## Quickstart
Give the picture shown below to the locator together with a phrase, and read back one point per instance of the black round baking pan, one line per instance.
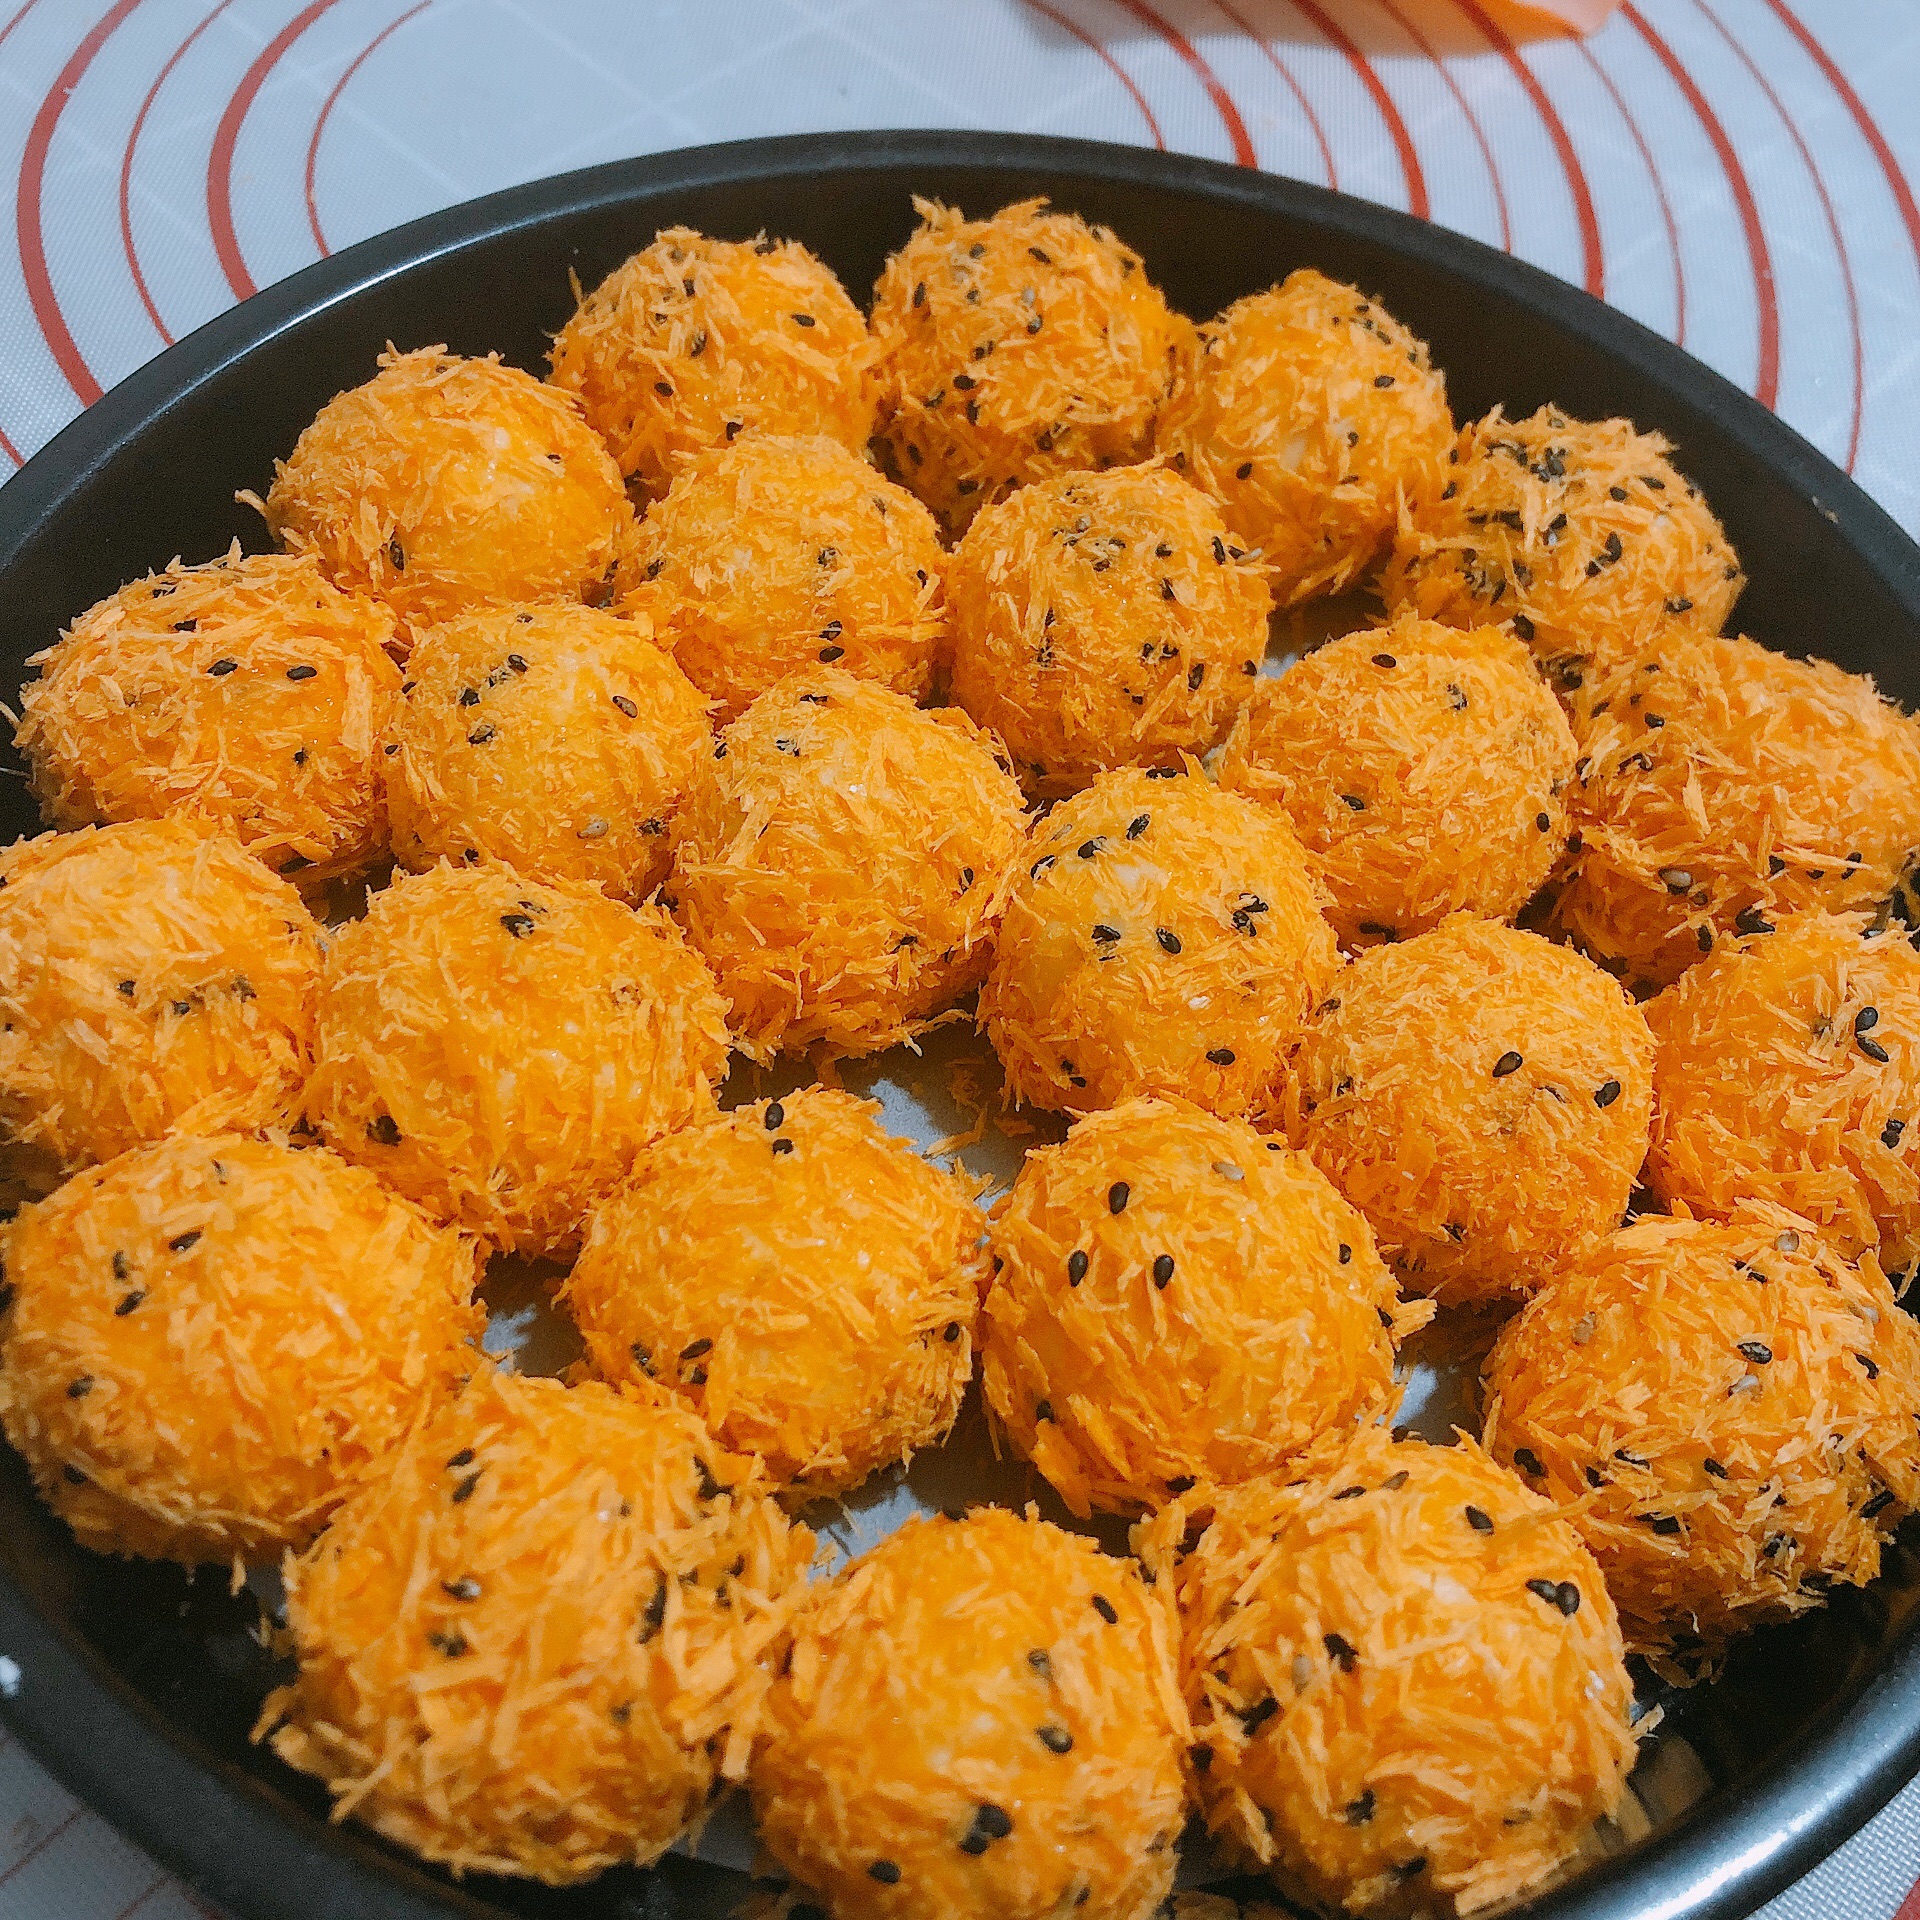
(138, 1686)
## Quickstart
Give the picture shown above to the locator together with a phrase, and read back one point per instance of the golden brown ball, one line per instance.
(1104, 620)
(1315, 419)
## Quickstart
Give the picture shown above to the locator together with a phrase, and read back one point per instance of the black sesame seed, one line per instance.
(465, 1588)
(1076, 1267)
(1221, 1056)
(1871, 1048)
(1043, 1410)
(1543, 822)
(1479, 1521)
(182, 1241)
(517, 924)
(122, 1266)
(79, 1389)
(1253, 1718)
(384, 1130)
(655, 1612)
(1170, 942)
(464, 1458)
(1714, 1468)
(1106, 935)
(782, 1146)
(1527, 1461)
(1201, 1755)
(1244, 470)
(480, 736)
(1676, 879)
(1509, 1062)
(1341, 1651)
(1891, 1132)
(1871, 1369)
(950, 1332)
(1757, 1351)
(453, 1644)
(626, 706)
(1750, 921)
(1054, 1739)
(694, 1349)
(74, 1477)
(1664, 1524)
(1162, 1269)
(803, 319)
(995, 1822)
(1117, 1197)
(885, 1871)
(1104, 1608)
(1088, 848)
(1606, 1093)
(1360, 1811)
(302, 673)
(469, 697)
(1349, 1493)
(127, 1302)
(1385, 660)
(464, 1491)
(1355, 802)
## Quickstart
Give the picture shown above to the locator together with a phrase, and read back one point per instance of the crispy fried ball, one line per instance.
(1580, 533)
(537, 1647)
(1482, 1097)
(445, 484)
(805, 1282)
(1721, 785)
(775, 554)
(555, 738)
(1102, 620)
(499, 1049)
(154, 978)
(210, 1341)
(1406, 1679)
(1315, 419)
(691, 342)
(1787, 1068)
(1163, 937)
(1013, 348)
(842, 861)
(1423, 768)
(1177, 1299)
(248, 690)
(981, 1722)
(1727, 1412)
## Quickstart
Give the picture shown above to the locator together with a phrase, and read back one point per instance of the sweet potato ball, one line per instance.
(555, 738)
(692, 342)
(154, 978)
(1481, 1096)
(538, 1646)
(780, 553)
(499, 1049)
(1787, 1068)
(445, 484)
(842, 862)
(210, 1341)
(248, 690)
(803, 1281)
(1315, 419)
(980, 1722)
(1177, 1299)
(1406, 1679)
(1726, 1410)
(1013, 348)
(1580, 533)
(1424, 769)
(1163, 937)
(1721, 785)
(1103, 620)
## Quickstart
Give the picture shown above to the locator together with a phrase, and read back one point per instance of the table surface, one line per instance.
(1735, 173)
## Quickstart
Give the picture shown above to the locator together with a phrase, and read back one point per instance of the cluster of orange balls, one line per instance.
(771, 679)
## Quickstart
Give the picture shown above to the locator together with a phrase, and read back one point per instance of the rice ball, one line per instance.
(555, 738)
(1162, 937)
(154, 978)
(842, 861)
(445, 484)
(692, 342)
(540, 1646)
(1013, 348)
(1581, 534)
(1424, 769)
(209, 1342)
(803, 1281)
(1103, 620)
(980, 1721)
(498, 1049)
(1726, 1411)
(776, 554)
(1315, 419)
(248, 690)
(1482, 1097)
(1406, 1679)
(1721, 785)
(1177, 1299)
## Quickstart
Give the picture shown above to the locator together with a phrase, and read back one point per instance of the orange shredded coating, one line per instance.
(555, 738)
(210, 1341)
(1482, 1097)
(1727, 1413)
(1175, 1299)
(981, 1722)
(1163, 937)
(1408, 1691)
(774, 554)
(499, 1048)
(1423, 768)
(1787, 1068)
(763, 1902)
(1721, 785)
(802, 1280)
(1580, 533)
(1013, 348)
(444, 484)
(1315, 419)
(1102, 620)
(154, 978)
(540, 1643)
(691, 342)
(842, 862)
(249, 690)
